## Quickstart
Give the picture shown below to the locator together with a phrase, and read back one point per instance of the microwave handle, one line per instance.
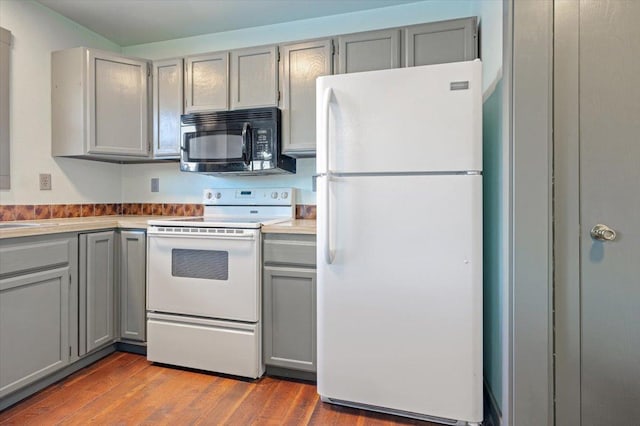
(246, 144)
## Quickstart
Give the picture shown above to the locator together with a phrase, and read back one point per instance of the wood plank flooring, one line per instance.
(126, 389)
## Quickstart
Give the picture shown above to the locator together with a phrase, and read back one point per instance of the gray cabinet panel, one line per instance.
(132, 285)
(21, 257)
(302, 63)
(254, 77)
(99, 105)
(118, 101)
(299, 250)
(207, 82)
(5, 57)
(441, 42)
(34, 327)
(168, 91)
(369, 51)
(290, 317)
(97, 287)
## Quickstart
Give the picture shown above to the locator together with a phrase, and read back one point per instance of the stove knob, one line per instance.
(208, 195)
(274, 195)
(284, 195)
(218, 195)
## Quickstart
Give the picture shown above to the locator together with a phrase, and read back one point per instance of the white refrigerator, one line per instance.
(399, 193)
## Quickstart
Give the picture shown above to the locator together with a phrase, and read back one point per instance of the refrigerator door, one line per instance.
(425, 118)
(400, 293)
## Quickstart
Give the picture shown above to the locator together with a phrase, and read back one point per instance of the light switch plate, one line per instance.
(45, 181)
(155, 184)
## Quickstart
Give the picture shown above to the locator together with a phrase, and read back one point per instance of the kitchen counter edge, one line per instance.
(296, 226)
(76, 224)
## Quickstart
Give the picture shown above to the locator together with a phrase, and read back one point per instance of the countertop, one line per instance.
(296, 226)
(79, 224)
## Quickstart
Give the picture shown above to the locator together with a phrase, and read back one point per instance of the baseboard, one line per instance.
(492, 414)
(134, 348)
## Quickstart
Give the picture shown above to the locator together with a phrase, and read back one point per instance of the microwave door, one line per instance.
(213, 151)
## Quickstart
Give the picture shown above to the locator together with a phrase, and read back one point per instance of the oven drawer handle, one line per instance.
(152, 234)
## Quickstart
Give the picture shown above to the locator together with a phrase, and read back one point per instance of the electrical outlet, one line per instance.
(45, 181)
(155, 184)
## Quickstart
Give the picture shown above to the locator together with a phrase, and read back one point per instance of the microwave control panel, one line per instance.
(263, 143)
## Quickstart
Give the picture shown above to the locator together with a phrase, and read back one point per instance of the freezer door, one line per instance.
(400, 293)
(426, 118)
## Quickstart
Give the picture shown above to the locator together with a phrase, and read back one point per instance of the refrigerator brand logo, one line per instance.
(459, 85)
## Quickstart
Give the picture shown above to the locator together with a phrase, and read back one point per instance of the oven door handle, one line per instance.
(246, 144)
(152, 234)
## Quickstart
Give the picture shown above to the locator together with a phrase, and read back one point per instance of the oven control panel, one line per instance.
(249, 196)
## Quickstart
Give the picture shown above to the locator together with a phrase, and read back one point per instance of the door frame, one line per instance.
(528, 380)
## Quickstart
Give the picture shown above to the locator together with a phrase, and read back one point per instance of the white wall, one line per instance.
(188, 187)
(36, 31)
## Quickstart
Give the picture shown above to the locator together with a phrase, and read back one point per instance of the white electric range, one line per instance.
(204, 281)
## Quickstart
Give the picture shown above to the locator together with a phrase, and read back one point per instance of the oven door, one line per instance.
(213, 276)
(215, 149)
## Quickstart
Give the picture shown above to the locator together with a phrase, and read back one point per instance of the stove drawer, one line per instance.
(211, 345)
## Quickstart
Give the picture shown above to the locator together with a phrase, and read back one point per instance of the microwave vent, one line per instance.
(219, 117)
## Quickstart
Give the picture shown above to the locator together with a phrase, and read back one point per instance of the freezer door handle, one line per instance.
(329, 253)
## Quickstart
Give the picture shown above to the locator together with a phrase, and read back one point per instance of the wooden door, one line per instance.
(207, 82)
(168, 90)
(597, 294)
(440, 42)
(133, 262)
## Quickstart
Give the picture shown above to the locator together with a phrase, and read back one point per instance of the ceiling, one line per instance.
(130, 22)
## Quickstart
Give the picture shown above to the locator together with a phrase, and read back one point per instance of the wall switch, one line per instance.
(155, 184)
(45, 181)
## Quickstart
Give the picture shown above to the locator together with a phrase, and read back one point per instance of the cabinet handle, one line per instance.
(329, 253)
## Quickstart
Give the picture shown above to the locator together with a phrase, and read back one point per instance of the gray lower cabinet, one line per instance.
(97, 290)
(38, 320)
(441, 42)
(289, 302)
(133, 260)
(369, 51)
(302, 63)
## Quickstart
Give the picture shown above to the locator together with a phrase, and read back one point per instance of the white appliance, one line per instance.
(399, 215)
(204, 282)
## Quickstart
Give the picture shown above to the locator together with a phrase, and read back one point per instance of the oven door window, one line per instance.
(204, 264)
(213, 146)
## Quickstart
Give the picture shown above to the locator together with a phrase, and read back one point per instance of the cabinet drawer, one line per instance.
(299, 250)
(22, 257)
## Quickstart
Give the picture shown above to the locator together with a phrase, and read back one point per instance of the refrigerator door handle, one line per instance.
(329, 253)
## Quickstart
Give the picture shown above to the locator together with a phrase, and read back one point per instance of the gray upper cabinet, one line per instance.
(254, 77)
(207, 82)
(369, 51)
(440, 42)
(168, 90)
(302, 63)
(37, 320)
(97, 290)
(133, 263)
(5, 56)
(100, 105)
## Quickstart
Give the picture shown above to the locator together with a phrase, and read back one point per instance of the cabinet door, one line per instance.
(96, 290)
(290, 318)
(301, 64)
(207, 82)
(369, 51)
(118, 105)
(168, 97)
(440, 42)
(34, 331)
(254, 77)
(132, 285)
(5, 58)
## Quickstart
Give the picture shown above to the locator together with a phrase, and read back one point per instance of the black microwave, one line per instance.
(244, 142)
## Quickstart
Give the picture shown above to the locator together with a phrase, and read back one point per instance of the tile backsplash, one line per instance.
(59, 211)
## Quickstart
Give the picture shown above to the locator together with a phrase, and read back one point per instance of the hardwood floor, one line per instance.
(126, 389)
